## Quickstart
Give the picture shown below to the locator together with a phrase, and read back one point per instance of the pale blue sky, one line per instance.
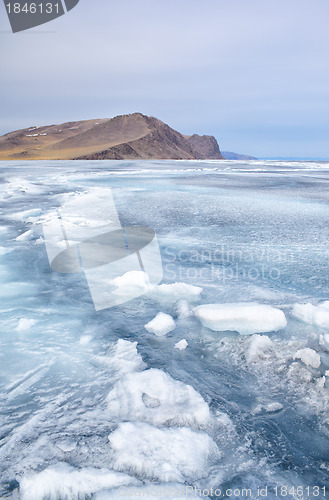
(254, 73)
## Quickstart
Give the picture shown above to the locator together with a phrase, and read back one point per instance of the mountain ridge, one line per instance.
(132, 136)
(230, 155)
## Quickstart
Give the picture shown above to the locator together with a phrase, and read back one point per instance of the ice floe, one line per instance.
(243, 317)
(165, 293)
(181, 345)
(27, 236)
(26, 215)
(162, 454)
(309, 357)
(161, 324)
(62, 481)
(155, 397)
(314, 315)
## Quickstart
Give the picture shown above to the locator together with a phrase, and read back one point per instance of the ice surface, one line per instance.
(20, 187)
(314, 315)
(155, 397)
(181, 345)
(309, 357)
(162, 454)
(275, 371)
(265, 227)
(161, 324)
(245, 318)
(64, 482)
(30, 215)
(85, 339)
(176, 291)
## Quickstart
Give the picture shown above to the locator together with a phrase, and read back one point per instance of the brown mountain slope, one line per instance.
(134, 136)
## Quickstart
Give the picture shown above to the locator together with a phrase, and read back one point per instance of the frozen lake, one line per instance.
(95, 405)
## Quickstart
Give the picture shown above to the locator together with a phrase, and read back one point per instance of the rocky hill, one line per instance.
(133, 136)
(229, 155)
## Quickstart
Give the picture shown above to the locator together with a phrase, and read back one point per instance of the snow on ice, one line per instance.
(155, 397)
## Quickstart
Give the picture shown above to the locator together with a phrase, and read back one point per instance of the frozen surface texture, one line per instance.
(314, 315)
(231, 391)
(157, 491)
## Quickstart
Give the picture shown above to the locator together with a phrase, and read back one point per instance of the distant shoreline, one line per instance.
(283, 158)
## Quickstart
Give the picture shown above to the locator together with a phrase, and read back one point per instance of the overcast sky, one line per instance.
(254, 73)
